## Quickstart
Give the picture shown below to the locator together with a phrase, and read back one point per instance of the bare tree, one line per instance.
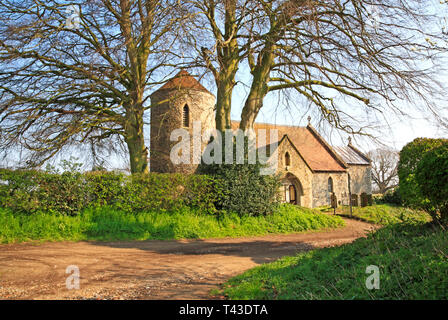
(374, 54)
(213, 36)
(67, 83)
(81, 72)
(384, 169)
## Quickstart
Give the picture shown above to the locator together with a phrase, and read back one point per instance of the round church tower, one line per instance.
(182, 103)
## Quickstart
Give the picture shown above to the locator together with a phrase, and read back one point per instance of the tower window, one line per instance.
(287, 159)
(186, 116)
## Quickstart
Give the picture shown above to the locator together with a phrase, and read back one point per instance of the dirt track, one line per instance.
(186, 269)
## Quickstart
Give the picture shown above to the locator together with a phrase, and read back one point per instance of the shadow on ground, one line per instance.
(259, 251)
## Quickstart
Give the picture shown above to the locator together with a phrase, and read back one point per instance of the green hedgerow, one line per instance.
(32, 191)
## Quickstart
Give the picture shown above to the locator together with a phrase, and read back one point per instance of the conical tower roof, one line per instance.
(183, 80)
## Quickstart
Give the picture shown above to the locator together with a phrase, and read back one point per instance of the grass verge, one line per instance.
(109, 224)
(412, 259)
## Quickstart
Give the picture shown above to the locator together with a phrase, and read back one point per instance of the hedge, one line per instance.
(432, 177)
(245, 191)
(31, 191)
(410, 156)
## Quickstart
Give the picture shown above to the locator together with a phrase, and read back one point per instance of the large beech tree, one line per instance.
(81, 72)
(375, 54)
(212, 37)
(62, 83)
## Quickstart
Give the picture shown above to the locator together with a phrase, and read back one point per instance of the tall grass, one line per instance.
(412, 256)
(111, 224)
(412, 259)
(385, 214)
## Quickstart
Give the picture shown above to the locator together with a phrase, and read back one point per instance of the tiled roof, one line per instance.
(350, 156)
(183, 80)
(313, 151)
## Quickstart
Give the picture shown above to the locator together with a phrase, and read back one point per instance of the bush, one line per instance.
(244, 190)
(31, 191)
(432, 178)
(154, 191)
(104, 188)
(390, 197)
(410, 156)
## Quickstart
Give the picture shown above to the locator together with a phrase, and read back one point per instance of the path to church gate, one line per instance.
(149, 269)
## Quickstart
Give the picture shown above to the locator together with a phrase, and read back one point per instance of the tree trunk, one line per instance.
(252, 105)
(259, 88)
(228, 53)
(135, 140)
(224, 103)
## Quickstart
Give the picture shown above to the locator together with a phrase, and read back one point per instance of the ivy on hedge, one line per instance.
(30, 191)
(242, 189)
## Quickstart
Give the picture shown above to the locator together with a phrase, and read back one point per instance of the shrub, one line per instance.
(244, 190)
(168, 191)
(391, 197)
(432, 178)
(104, 188)
(31, 191)
(410, 156)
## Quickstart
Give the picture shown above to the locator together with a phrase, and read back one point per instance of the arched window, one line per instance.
(186, 117)
(330, 185)
(287, 159)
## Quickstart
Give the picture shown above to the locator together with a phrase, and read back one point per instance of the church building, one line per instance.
(311, 169)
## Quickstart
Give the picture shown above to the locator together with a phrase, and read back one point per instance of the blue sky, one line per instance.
(390, 129)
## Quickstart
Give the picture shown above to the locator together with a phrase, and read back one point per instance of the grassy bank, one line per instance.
(110, 224)
(412, 259)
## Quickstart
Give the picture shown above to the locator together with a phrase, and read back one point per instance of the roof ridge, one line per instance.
(298, 151)
(272, 124)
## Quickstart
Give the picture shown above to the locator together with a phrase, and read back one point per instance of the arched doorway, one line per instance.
(292, 190)
(292, 194)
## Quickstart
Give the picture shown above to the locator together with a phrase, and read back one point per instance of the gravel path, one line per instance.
(184, 269)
